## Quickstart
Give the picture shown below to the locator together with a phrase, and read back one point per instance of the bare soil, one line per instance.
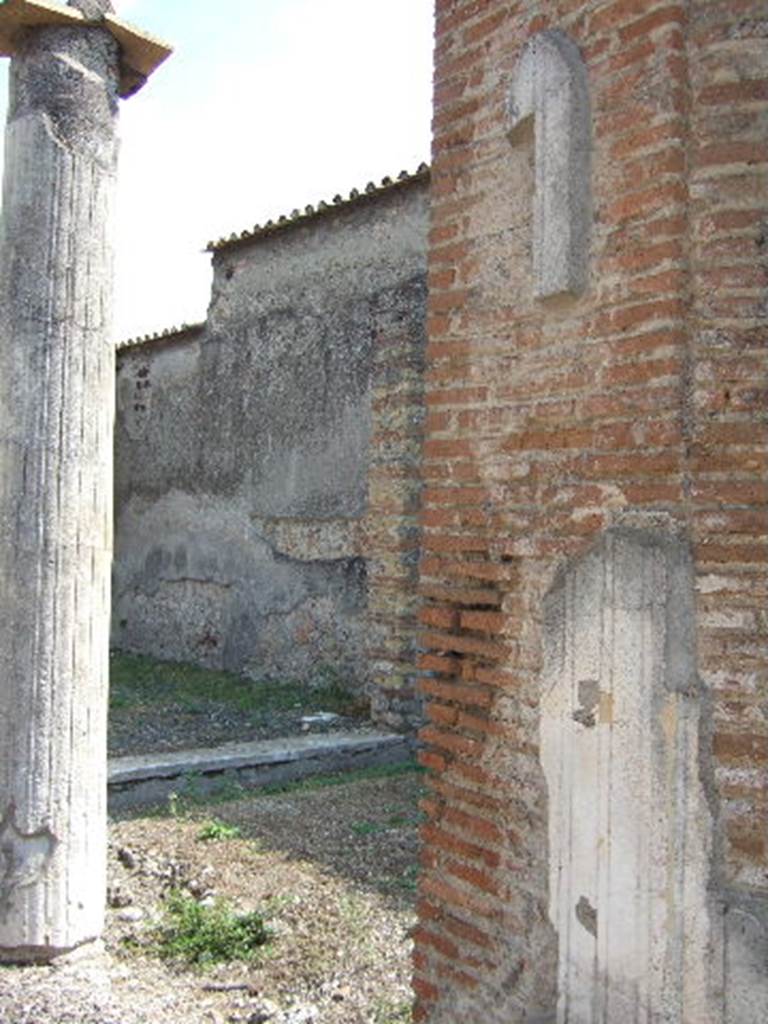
(333, 869)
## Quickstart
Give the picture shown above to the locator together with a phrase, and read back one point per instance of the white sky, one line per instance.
(264, 106)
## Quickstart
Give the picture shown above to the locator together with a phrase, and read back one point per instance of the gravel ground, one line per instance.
(334, 868)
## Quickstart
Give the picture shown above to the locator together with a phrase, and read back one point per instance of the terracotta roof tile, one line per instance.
(299, 216)
(169, 332)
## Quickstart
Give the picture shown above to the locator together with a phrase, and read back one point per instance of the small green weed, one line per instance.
(409, 880)
(205, 935)
(404, 885)
(216, 831)
(399, 820)
(367, 828)
(387, 1012)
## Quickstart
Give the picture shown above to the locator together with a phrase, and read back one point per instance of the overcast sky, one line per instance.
(265, 105)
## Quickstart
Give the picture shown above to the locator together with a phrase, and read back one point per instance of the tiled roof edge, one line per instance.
(310, 212)
(146, 339)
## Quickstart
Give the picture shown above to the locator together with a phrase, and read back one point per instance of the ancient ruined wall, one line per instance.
(595, 564)
(267, 481)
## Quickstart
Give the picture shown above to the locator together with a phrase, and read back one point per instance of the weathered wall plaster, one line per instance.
(250, 451)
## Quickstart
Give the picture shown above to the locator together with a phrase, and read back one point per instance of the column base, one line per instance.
(50, 956)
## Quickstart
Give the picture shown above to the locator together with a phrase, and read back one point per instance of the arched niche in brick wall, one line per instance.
(551, 86)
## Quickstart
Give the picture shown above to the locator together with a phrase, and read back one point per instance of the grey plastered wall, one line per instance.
(243, 448)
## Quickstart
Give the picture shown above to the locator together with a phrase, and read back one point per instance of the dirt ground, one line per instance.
(332, 868)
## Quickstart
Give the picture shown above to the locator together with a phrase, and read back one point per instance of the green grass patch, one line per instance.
(369, 828)
(138, 682)
(206, 935)
(384, 771)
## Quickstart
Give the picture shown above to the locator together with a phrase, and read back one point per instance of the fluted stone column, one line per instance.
(56, 413)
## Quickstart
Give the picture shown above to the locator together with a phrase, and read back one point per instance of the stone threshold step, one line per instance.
(151, 778)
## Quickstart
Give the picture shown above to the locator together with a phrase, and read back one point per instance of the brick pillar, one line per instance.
(632, 405)
(392, 529)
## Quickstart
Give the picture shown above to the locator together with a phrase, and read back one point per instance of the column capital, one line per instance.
(140, 52)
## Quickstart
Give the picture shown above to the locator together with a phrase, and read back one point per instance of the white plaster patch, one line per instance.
(629, 825)
(551, 85)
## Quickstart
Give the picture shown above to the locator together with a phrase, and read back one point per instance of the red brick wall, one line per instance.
(548, 422)
(391, 526)
(728, 411)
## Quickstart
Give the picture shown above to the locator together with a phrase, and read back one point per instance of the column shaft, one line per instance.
(56, 413)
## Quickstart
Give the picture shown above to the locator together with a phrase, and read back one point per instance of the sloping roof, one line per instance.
(169, 332)
(371, 190)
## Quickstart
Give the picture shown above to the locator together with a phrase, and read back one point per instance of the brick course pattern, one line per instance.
(548, 422)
